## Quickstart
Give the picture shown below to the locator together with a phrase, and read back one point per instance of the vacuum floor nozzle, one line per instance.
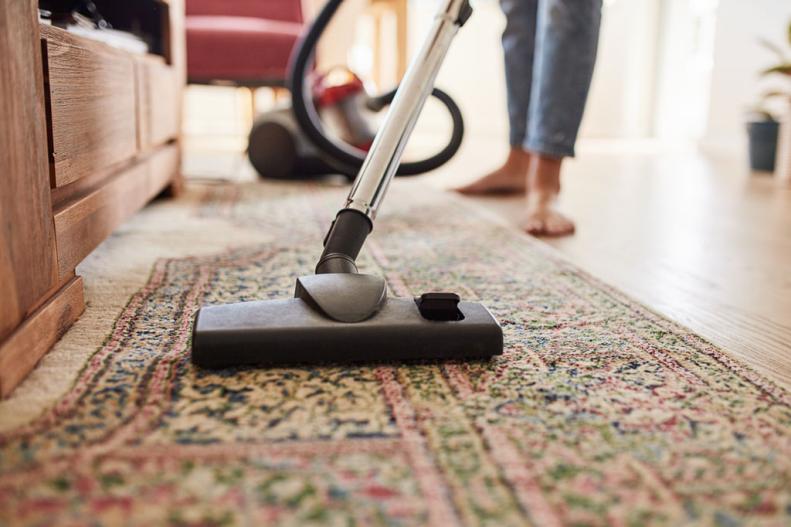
(292, 331)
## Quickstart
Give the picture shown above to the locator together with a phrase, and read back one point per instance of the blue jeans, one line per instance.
(550, 50)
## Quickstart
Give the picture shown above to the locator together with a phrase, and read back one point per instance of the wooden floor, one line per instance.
(698, 239)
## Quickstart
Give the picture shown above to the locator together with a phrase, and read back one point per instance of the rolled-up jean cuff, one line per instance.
(549, 149)
(516, 141)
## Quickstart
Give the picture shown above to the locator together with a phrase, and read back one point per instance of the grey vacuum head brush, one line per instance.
(339, 315)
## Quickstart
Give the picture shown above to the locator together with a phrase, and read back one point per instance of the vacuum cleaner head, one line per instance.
(308, 328)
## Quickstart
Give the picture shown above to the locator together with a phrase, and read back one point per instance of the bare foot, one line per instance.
(508, 179)
(545, 220)
(542, 217)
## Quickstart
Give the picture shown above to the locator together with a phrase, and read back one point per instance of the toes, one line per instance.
(467, 189)
(481, 189)
(557, 225)
(535, 226)
(494, 183)
(476, 187)
(548, 224)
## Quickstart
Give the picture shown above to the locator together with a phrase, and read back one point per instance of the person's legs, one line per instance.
(567, 35)
(519, 40)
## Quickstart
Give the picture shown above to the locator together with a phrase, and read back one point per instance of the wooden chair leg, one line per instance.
(402, 43)
(253, 107)
(376, 67)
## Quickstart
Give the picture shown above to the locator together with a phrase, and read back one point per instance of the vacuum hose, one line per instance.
(344, 158)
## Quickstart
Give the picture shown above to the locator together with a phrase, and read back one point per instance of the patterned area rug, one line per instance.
(599, 412)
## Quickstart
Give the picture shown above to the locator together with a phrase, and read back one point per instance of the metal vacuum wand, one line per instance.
(382, 161)
(354, 222)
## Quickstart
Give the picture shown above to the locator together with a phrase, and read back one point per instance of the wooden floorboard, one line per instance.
(695, 238)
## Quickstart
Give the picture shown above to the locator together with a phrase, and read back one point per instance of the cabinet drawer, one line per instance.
(85, 223)
(159, 102)
(91, 94)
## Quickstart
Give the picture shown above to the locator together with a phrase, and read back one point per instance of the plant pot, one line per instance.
(763, 145)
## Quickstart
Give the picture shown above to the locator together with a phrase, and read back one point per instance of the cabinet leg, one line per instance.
(175, 188)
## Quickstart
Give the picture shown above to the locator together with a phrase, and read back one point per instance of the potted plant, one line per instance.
(763, 129)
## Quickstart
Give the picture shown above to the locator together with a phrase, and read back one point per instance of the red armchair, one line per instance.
(244, 42)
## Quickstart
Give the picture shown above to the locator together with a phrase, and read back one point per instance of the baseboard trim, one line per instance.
(21, 351)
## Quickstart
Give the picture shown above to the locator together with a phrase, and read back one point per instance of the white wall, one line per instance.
(737, 59)
(340, 35)
(620, 104)
(473, 71)
(686, 47)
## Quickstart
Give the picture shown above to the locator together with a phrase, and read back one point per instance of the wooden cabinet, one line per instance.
(28, 266)
(89, 135)
(90, 88)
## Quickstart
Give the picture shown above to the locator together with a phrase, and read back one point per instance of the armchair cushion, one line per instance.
(239, 48)
(283, 10)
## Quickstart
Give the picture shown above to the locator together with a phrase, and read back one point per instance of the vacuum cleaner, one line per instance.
(338, 315)
(291, 142)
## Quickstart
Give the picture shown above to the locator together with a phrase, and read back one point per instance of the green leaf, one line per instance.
(774, 48)
(758, 113)
(775, 93)
(783, 69)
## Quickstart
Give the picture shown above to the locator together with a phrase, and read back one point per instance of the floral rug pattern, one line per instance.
(598, 413)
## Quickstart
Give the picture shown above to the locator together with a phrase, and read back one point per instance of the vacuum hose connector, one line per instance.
(344, 240)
